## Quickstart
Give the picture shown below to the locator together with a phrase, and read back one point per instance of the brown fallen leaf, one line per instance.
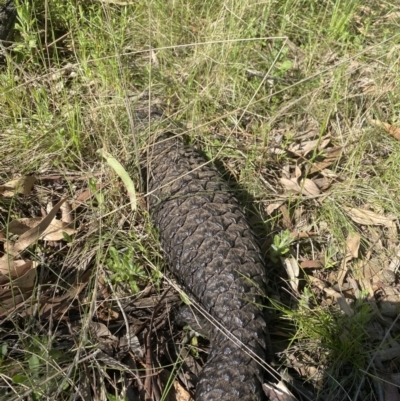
(322, 183)
(304, 148)
(290, 185)
(333, 155)
(390, 129)
(12, 269)
(22, 185)
(272, 207)
(27, 281)
(278, 392)
(54, 232)
(20, 226)
(177, 392)
(367, 217)
(307, 187)
(57, 307)
(66, 213)
(352, 246)
(341, 300)
(292, 269)
(10, 299)
(286, 219)
(310, 188)
(17, 292)
(310, 264)
(33, 234)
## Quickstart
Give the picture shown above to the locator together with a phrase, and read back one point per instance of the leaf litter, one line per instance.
(336, 277)
(54, 293)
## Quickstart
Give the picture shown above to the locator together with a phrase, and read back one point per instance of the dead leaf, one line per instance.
(322, 183)
(297, 171)
(32, 235)
(11, 299)
(292, 269)
(367, 217)
(20, 226)
(11, 269)
(272, 207)
(310, 264)
(304, 148)
(387, 354)
(278, 392)
(390, 129)
(352, 245)
(331, 158)
(341, 300)
(177, 393)
(286, 220)
(22, 185)
(55, 231)
(310, 188)
(66, 213)
(307, 186)
(391, 391)
(27, 281)
(56, 307)
(291, 185)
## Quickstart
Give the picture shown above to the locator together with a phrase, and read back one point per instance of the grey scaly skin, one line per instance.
(213, 253)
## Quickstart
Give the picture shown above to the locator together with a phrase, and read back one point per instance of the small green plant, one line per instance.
(281, 245)
(124, 269)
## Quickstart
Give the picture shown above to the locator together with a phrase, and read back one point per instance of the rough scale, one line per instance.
(213, 253)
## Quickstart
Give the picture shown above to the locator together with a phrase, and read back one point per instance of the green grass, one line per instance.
(241, 79)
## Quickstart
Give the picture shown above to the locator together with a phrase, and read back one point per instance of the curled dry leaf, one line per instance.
(66, 215)
(22, 185)
(20, 226)
(17, 292)
(177, 392)
(10, 299)
(27, 281)
(310, 188)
